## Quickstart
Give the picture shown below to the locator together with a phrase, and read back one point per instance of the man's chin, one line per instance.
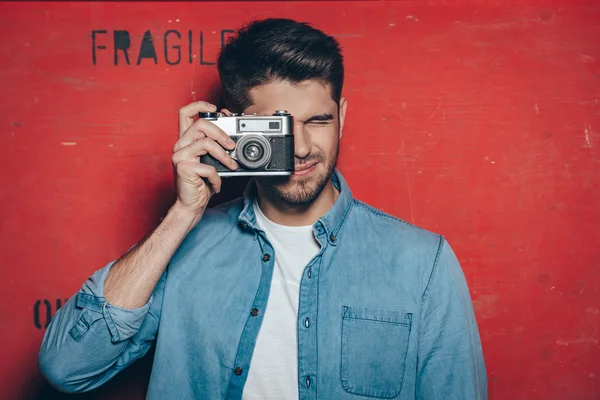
(294, 190)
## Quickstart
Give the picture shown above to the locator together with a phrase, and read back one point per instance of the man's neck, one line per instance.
(284, 214)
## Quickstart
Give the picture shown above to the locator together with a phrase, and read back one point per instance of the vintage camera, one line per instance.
(264, 144)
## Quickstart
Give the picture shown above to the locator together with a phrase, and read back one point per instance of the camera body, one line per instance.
(264, 144)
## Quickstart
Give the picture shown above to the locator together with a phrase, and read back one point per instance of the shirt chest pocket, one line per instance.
(373, 353)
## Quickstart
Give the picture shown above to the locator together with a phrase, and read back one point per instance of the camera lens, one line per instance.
(253, 151)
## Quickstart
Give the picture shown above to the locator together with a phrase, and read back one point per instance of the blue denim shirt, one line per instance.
(384, 312)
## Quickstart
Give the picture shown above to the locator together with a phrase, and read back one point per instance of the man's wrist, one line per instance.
(180, 214)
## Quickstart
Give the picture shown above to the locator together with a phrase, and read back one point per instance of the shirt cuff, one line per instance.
(122, 323)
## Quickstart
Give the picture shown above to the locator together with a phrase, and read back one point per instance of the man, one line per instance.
(297, 290)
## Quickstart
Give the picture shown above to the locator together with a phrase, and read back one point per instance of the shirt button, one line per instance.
(306, 322)
(307, 381)
(266, 257)
(254, 312)
(332, 237)
(309, 273)
(238, 371)
(244, 225)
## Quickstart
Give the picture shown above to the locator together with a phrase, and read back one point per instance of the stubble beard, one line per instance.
(302, 192)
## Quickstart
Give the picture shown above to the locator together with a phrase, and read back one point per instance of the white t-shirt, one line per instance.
(273, 372)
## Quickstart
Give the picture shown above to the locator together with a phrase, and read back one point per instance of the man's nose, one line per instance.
(302, 146)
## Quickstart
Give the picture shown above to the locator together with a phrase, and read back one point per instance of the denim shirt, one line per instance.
(384, 312)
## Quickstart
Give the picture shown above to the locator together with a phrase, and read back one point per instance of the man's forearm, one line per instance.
(132, 279)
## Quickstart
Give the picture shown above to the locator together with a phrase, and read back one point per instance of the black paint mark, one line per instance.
(177, 47)
(190, 47)
(147, 49)
(94, 47)
(45, 307)
(121, 41)
(224, 32)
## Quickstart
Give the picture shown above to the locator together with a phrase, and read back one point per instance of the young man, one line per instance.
(297, 290)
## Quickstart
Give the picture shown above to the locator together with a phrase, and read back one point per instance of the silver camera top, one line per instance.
(280, 123)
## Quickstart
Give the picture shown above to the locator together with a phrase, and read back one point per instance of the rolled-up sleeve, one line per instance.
(122, 323)
(89, 340)
(451, 364)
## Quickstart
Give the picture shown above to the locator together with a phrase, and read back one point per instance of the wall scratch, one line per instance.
(192, 91)
(586, 131)
(436, 110)
(410, 200)
(576, 341)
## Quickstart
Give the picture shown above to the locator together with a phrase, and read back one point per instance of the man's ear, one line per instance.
(342, 113)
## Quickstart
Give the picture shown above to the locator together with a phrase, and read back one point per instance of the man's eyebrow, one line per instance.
(320, 117)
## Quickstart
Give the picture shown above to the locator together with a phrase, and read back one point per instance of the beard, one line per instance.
(303, 191)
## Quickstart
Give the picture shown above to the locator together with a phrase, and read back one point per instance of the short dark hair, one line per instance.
(277, 49)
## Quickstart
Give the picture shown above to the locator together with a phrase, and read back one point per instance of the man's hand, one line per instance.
(197, 182)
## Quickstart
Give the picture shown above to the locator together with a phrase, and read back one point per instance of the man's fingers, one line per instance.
(199, 174)
(187, 114)
(208, 129)
(188, 137)
(209, 173)
(204, 146)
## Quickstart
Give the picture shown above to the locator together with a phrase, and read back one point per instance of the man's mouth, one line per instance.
(305, 168)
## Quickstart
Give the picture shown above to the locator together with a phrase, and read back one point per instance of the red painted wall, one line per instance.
(478, 121)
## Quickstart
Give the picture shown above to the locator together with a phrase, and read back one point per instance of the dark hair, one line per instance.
(277, 49)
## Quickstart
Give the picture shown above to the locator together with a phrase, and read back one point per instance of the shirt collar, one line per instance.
(332, 222)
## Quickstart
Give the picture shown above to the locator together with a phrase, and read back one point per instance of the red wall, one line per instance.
(481, 122)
